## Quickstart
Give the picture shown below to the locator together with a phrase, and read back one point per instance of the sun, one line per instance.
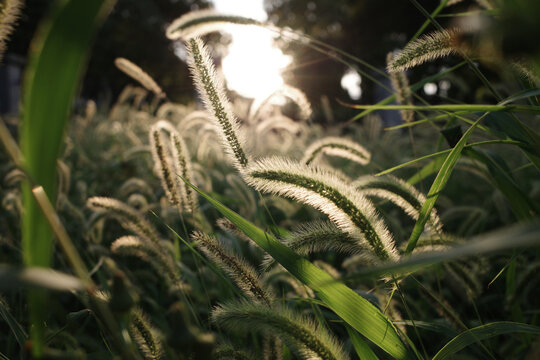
(253, 65)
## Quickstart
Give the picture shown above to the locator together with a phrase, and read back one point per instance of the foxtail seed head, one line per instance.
(136, 73)
(345, 207)
(337, 147)
(212, 91)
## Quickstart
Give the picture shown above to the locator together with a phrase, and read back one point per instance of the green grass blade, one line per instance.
(464, 108)
(519, 202)
(16, 328)
(360, 345)
(518, 236)
(438, 185)
(57, 59)
(483, 332)
(432, 167)
(351, 307)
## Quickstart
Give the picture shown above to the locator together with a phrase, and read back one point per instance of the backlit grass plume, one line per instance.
(400, 84)
(9, 13)
(198, 23)
(211, 89)
(128, 217)
(294, 94)
(304, 337)
(242, 273)
(176, 151)
(336, 146)
(400, 193)
(426, 48)
(319, 237)
(148, 252)
(145, 335)
(349, 210)
(136, 73)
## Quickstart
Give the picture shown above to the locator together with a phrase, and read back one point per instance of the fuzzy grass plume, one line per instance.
(9, 14)
(212, 91)
(135, 246)
(304, 337)
(199, 23)
(400, 84)
(145, 335)
(400, 193)
(128, 217)
(348, 209)
(336, 146)
(239, 270)
(320, 236)
(426, 48)
(178, 192)
(138, 74)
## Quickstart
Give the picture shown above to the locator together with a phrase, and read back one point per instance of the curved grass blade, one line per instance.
(487, 331)
(518, 236)
(58, 56)
(438, 185)
(470, 108)
(360, 345)
(16, 328)
(351, 307)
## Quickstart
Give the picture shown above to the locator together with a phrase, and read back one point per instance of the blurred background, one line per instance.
(136, 30)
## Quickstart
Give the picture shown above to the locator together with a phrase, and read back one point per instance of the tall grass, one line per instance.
(316, 257)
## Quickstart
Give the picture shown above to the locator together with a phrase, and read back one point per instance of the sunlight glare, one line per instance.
(350, 82)
(253, 65)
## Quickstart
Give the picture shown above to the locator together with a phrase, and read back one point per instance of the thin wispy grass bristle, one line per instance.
(304, 337)
(245, 277)
(426, 48)
(128, 217)
(400, 84)
(212, 91)
(136, 73)
(401, 194)
(349, 210)
(10, 11)
(201, 22)
(336, 146)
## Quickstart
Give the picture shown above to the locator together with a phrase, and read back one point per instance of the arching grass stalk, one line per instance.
(135, 246)
(426, 48)
(128, 217)
(138, 74)
(302, 336)
(337, 147)
(211, 89)
(349, 210)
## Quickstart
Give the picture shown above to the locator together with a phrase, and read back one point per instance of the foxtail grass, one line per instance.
(198, 23)
(303, 337)
(400, 84)
(128, 217)
(10, 11)
(345, 207)
(400, 193)
(145, 335)
(337, 147)
(426, 48)
(212, 91)
(245, 277)
(136, 73)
